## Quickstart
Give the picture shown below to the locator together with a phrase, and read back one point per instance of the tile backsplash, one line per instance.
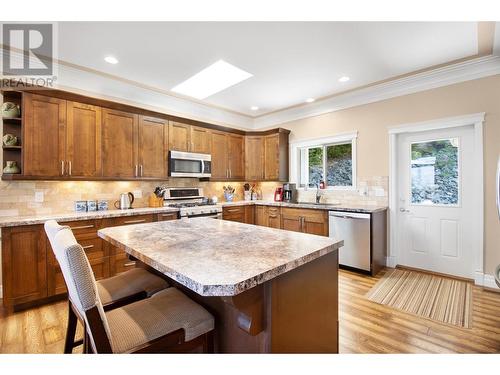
(18, 197)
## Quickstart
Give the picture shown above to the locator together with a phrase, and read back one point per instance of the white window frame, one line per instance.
(297, 170)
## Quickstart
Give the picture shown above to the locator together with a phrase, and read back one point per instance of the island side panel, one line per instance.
(304, 308)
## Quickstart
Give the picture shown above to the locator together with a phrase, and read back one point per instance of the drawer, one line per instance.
(120, 263)
(239, 217)
(83, 227)
(233, 210)
(167, 216)
(93, 247)
(56, 283)
(129, 220)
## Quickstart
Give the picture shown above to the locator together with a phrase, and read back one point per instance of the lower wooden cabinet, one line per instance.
(24, 264)
(31, 272)
(305, 220)
(241, 214)
(273, 215)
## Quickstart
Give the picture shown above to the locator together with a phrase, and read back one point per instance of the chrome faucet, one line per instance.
(318, 195)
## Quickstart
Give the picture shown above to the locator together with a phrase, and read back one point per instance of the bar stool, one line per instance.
(168, 321)
(120, 290)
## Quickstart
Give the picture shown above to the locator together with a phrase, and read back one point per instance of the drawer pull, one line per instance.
(134, 221)
(88, 247)
(82, 227)
(129, 264)
(233, 210)
(169, 215)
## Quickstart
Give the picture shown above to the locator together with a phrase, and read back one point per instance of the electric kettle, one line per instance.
(125, 202)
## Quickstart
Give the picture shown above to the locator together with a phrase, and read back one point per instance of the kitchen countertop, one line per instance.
(361, 208)
(73, 216)
(218, 257)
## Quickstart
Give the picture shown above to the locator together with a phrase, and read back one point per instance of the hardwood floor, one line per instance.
(365, 326)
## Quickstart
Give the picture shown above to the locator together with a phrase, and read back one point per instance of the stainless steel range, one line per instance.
(191, 202)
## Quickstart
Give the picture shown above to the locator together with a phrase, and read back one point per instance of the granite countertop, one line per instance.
(73, 216)
(218, 257)
(361, 208)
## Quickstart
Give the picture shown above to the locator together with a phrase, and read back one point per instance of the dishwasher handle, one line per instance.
(349, 215)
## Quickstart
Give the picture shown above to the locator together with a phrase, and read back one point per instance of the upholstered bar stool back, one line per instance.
(80, 281)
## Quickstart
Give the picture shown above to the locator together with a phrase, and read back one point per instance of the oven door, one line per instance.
(188, 164)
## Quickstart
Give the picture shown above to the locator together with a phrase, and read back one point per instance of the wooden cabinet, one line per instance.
(179, 136)
(260, 216)
(119, 144)
(220, 157)
(228, 162)
(236, 156)
(152, 147)
(44, 136)
(83, 140)
(254, 158)
(241, 214)
(118, 260)
(305, 220)
(266, 157)
(24, 264)
(273, 217)
(167, 216)
(188, 138)
(200, 141)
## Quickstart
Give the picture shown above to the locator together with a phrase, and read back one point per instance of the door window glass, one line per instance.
(434, 172)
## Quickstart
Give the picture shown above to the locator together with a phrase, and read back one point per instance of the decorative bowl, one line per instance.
(10, 110)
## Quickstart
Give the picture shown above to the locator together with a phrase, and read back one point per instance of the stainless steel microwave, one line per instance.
(189, 164)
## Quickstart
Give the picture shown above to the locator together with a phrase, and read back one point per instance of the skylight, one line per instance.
(217, 77)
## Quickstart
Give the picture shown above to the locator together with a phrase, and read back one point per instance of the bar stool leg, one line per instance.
(69, 341)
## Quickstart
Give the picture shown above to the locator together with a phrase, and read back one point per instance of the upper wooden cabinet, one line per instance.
(254, 158)
(266, 157)
(68, 136)
(188, 138)
(236, 156)
(152, 147)
(179, 136)
(119, 144)
(44, 136)
(83, 140)
(220, 159)
(200, 140)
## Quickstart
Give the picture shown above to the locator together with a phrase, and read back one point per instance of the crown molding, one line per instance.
(92, 83)
(443, 76)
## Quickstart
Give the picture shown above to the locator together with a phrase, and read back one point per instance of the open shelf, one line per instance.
(12, 147)
(14, 126)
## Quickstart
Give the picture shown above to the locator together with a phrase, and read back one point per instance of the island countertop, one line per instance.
(218, 257)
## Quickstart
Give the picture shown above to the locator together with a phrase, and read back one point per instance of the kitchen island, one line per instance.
(271, 291)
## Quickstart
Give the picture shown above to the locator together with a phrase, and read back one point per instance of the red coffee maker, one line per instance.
(278, 194)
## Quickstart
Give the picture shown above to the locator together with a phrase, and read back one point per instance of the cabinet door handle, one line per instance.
(87, 247)
(69, 167)
(129, 264)
(141, 170)
(62, 167)
(136, 170)
(230, 173)
(134, 221)
(82, 227)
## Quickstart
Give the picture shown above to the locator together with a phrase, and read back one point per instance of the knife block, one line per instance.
(154, 201)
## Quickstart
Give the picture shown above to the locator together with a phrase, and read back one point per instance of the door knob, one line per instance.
(404, 210)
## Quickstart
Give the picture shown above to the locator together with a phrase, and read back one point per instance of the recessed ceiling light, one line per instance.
(344, 79)
(254, 108)
(215, 78)
(310, 100)
(111, 59)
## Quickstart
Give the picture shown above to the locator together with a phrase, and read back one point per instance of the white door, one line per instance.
(436, 202)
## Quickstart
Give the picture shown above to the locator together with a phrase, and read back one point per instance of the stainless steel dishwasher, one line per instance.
(354, 229)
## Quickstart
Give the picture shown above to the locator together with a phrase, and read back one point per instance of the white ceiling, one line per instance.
(289, 61)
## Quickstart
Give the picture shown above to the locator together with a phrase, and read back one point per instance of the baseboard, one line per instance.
(488, 281)
(390, 262)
